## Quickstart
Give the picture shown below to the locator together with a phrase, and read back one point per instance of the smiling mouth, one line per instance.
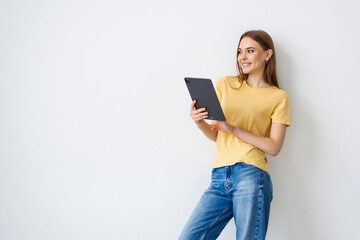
(246, 64)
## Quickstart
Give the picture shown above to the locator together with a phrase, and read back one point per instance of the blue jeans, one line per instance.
(241, 191)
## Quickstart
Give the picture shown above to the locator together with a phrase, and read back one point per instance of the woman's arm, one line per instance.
(206, 129)
(271, 145)
(198, 116)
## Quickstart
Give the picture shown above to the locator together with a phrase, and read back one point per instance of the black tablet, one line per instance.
(202, 90)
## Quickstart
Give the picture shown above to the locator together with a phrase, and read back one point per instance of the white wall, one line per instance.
(96, 141)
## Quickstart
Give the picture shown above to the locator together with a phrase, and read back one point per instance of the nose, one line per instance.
(243, 56)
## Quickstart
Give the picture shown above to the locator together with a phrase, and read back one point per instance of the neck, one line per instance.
(256, 80)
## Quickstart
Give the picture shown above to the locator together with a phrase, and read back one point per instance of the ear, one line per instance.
(268, 54)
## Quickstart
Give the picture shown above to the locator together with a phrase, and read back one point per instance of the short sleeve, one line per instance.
(281, 112)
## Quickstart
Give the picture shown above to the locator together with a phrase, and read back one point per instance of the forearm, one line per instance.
(206, 129)
(266, 144)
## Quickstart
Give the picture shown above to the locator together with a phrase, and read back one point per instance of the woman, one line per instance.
(257, 114)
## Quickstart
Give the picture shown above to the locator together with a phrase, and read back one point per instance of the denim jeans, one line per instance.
(241, 191)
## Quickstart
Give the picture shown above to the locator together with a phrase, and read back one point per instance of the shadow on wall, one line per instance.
(293, 171)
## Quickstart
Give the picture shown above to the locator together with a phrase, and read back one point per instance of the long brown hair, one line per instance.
(266, 43)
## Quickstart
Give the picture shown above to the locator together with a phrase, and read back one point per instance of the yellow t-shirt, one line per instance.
(253, 110)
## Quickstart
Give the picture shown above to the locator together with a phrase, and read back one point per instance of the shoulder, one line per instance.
(281, 98)
(280, 93)
(228, 80)
(223, 79)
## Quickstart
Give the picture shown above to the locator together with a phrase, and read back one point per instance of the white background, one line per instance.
(96, 141)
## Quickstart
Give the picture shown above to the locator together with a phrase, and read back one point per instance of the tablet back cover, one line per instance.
(202, 90)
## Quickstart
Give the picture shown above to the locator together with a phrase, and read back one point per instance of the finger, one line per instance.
(204, 117)
(200, 110)
(205, 114)
(193, 105)
(192, 108)
(196, 112)
(200, 115)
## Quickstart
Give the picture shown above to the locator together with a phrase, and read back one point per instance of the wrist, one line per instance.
(200, 123)
(233, 130)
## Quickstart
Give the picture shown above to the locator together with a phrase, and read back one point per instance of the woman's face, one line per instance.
(251, 56)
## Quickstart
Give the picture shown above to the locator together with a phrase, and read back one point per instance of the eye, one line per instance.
(250, 51)
(239, 52)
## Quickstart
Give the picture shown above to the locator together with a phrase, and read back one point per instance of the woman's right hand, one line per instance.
(197, 115)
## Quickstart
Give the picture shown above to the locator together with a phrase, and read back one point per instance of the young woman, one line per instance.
(257, 113)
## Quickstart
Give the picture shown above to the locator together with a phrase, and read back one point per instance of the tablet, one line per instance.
(202, 90)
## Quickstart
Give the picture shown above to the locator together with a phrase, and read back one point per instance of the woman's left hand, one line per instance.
(223, 126)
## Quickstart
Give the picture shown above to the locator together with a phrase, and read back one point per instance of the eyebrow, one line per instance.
(248, 48)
